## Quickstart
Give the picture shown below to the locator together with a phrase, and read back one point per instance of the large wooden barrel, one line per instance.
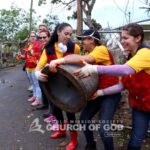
(66, 91)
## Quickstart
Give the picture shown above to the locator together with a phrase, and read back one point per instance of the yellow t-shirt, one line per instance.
(101, 55)
(43, 59)
(141, 61)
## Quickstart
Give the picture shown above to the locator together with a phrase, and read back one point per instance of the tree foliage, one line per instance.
(14, 26)
(11, 21)
(147, 8)
(51, 21)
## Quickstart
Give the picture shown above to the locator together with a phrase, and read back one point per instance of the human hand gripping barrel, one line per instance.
(41, 76)
(81, 73)
(54, 63)
(86, 71)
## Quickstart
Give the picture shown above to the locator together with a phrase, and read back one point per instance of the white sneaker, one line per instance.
(30, 88)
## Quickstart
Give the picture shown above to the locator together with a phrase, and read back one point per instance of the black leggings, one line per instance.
(59, 115)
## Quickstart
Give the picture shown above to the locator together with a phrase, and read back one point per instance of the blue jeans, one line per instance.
(106, 105)
(35, 83)
(140, 124)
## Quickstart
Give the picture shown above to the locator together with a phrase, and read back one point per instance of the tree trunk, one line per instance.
(31, 7)
(87, 8)
(79, 17)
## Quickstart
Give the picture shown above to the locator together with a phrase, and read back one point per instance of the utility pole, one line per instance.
(31, 8)
(129, 13)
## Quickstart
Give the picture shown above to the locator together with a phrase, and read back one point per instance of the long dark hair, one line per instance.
(59, 27)
(134, 30)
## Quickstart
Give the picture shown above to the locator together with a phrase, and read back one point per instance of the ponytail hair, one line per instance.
(59, 27)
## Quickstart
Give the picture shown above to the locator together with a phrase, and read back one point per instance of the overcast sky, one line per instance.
(111, 13)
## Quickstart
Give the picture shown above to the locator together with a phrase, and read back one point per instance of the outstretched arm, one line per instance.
(108, 91)
(70, 59)
(118, 70)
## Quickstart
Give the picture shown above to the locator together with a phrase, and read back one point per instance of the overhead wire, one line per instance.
(146, 3)
(118, 6)
(143, 1)
(133, 4)
(129, 14)
(123, 11)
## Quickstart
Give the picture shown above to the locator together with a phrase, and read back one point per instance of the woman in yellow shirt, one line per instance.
(136, 79)
(107, 105)
(59, 46)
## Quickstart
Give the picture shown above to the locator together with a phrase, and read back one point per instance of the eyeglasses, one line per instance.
(43, 37)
